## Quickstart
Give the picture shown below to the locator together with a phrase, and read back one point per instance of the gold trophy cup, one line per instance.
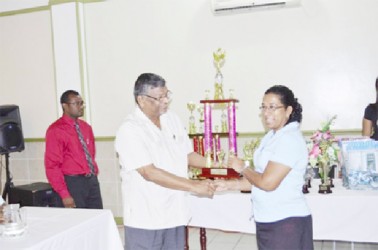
(192, 124)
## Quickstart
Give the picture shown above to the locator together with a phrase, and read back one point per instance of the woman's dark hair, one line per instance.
(147, 81)
(287, 98)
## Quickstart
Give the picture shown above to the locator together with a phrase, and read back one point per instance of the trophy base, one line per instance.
(325, 189)
(224, 173)
(330, 181)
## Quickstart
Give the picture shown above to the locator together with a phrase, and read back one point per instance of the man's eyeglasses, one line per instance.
(270, 108)
(168, 96)
(79, 104)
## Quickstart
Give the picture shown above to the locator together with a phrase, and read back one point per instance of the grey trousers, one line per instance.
(162, 239)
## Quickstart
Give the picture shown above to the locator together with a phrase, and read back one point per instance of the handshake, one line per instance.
(207, 188)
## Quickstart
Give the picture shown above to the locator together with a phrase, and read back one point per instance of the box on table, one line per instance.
(359, 169)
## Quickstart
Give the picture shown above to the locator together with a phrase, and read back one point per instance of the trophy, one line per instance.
(249, 150)
(201, 118)
(221, 155)
(192, 125)
(219, 60)
(216, 129)
(307, 180)
(231, 91)
(325, 186)
(207, 94)
(248, 153)
(224, 122)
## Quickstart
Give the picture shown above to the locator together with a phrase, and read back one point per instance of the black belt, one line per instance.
(89, 175)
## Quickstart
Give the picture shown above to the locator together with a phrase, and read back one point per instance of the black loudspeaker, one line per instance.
(38, 194)
(11, 137)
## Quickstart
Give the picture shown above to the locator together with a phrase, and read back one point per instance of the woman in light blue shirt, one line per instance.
(283, 219)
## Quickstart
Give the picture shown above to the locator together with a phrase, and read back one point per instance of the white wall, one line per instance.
(324, 50)
(27, 70)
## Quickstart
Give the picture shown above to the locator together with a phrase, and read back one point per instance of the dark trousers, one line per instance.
(84, 190)
(294, 233)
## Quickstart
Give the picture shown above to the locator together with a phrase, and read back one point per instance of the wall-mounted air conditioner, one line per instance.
(224, 6)
(12, 5)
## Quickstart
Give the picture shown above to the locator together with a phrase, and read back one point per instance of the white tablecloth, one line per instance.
(345, 215)
(62, 228)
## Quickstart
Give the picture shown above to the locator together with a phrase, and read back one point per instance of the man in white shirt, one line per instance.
(154, 153)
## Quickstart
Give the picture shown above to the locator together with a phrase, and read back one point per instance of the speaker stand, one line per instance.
(8, 182)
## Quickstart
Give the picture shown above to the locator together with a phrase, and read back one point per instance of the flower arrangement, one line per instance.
(324, 150)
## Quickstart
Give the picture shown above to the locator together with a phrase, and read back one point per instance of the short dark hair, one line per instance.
(66, 95)
(147, 81)
(287, 98)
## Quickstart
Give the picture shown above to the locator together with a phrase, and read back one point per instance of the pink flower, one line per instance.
(315, 151)
(317, 136)
(327, 135)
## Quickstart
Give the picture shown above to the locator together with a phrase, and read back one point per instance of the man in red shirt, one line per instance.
(70, 162)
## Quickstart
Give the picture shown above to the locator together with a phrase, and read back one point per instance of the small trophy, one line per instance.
(200, 110)
(216, 129)
(249, 150)
(207, 94)
(192, 125)
(248, 153)
(325, 186)
(224, 122)
(307, 180)
(209, 161)
(231, 91)
(221, 155)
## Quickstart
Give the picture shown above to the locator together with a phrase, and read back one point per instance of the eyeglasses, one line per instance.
(270, 108)
(168, 96)
(79, 104)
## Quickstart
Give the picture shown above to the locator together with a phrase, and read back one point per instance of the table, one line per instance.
(64, 228)
(344, 215)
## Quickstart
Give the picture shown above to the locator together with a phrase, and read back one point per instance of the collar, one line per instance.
(139, 113)
(288, 127)
(69, 120)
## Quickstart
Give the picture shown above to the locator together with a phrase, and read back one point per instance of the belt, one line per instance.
(88, 175)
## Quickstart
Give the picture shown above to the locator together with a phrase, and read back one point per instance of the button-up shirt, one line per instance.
(64, 153)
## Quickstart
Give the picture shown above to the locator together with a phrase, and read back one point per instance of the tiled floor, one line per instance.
(219, 240)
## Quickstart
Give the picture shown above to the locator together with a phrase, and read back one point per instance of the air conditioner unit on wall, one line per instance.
(224, 6)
